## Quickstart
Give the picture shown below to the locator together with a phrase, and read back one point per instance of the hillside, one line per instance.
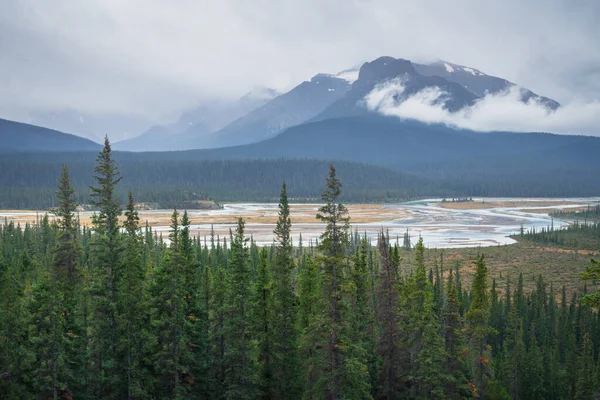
(20, 137)
(497, 163)
(29, 180)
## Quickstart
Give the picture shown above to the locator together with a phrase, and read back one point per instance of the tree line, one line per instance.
(577, 235)
(29, 180)
(116, 312)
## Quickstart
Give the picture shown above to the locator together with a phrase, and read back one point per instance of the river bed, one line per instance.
(482, 222)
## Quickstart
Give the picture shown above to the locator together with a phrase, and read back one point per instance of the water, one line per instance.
(440, 227)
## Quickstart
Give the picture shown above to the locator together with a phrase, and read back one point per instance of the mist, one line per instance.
(502, 111)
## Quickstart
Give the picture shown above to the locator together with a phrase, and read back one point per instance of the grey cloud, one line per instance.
(154, 58)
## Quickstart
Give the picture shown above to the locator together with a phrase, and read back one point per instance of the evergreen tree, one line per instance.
(585, 385)
(168, 319)
(263, 326)
(313, 337)
(285, 334)
(425, 351)
(133, 311)
(106, 259)
(456, 387)
(388, 346)
(347, 373)
(66, 282)
(239, 379)
(477, 322)
(362, 312)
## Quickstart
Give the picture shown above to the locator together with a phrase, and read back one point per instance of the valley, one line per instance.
(336, 200)
(482, 222)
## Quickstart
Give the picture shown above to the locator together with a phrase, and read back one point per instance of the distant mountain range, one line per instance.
(328, 96)
(264, 113)
(194, 125)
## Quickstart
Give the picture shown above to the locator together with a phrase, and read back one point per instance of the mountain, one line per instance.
(292, 108)
(478, 82)
(20, 137)
(478, 163)
(325, 96)
(197, 123)
(385, 69)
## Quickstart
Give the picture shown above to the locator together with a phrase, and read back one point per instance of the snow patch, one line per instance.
(331, 90)
(473, 71)
(449, 68)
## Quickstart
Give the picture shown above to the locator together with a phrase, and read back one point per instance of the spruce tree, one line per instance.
(106, 262)
(133, 310)
(585, 386)
(285, 339)
(347, 374)
(456, 387)
(313, 336)
(239, 378)
(66, 280)
(478, 330)
(388, 345)
(421, 326)
(168, 319)
(263, 317)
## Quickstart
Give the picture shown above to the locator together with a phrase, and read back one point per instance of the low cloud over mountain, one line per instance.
(502, 111)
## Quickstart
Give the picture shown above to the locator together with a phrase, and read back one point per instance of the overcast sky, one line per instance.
(156, 57)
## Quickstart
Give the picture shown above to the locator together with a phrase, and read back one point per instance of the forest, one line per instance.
(115, 311)
(591, 213)
(254, 173)
(29, 181)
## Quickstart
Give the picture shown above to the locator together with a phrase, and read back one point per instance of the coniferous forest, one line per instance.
(114, 311)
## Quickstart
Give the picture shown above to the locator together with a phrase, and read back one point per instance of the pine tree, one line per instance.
(362, 314)
(477, 323)
(67, 252)
(106, 254)
(347, 372)
(585, 385)
(239, 377)
(263, 326)
(387, 315)
(194, 358)
(313, 337)
(133, 304)
(66, 280)
(168, 319)
(217, 319)
(285, 339)
(45, 329)
(421, 326)
(456, 387)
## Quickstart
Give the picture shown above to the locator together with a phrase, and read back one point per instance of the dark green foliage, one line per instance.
(106, 249)
(478, 330)
(346, 374)
(591, 213)
(28, 181)
(576, 236)
(239, 378)
(285, 333)
(119, 312)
